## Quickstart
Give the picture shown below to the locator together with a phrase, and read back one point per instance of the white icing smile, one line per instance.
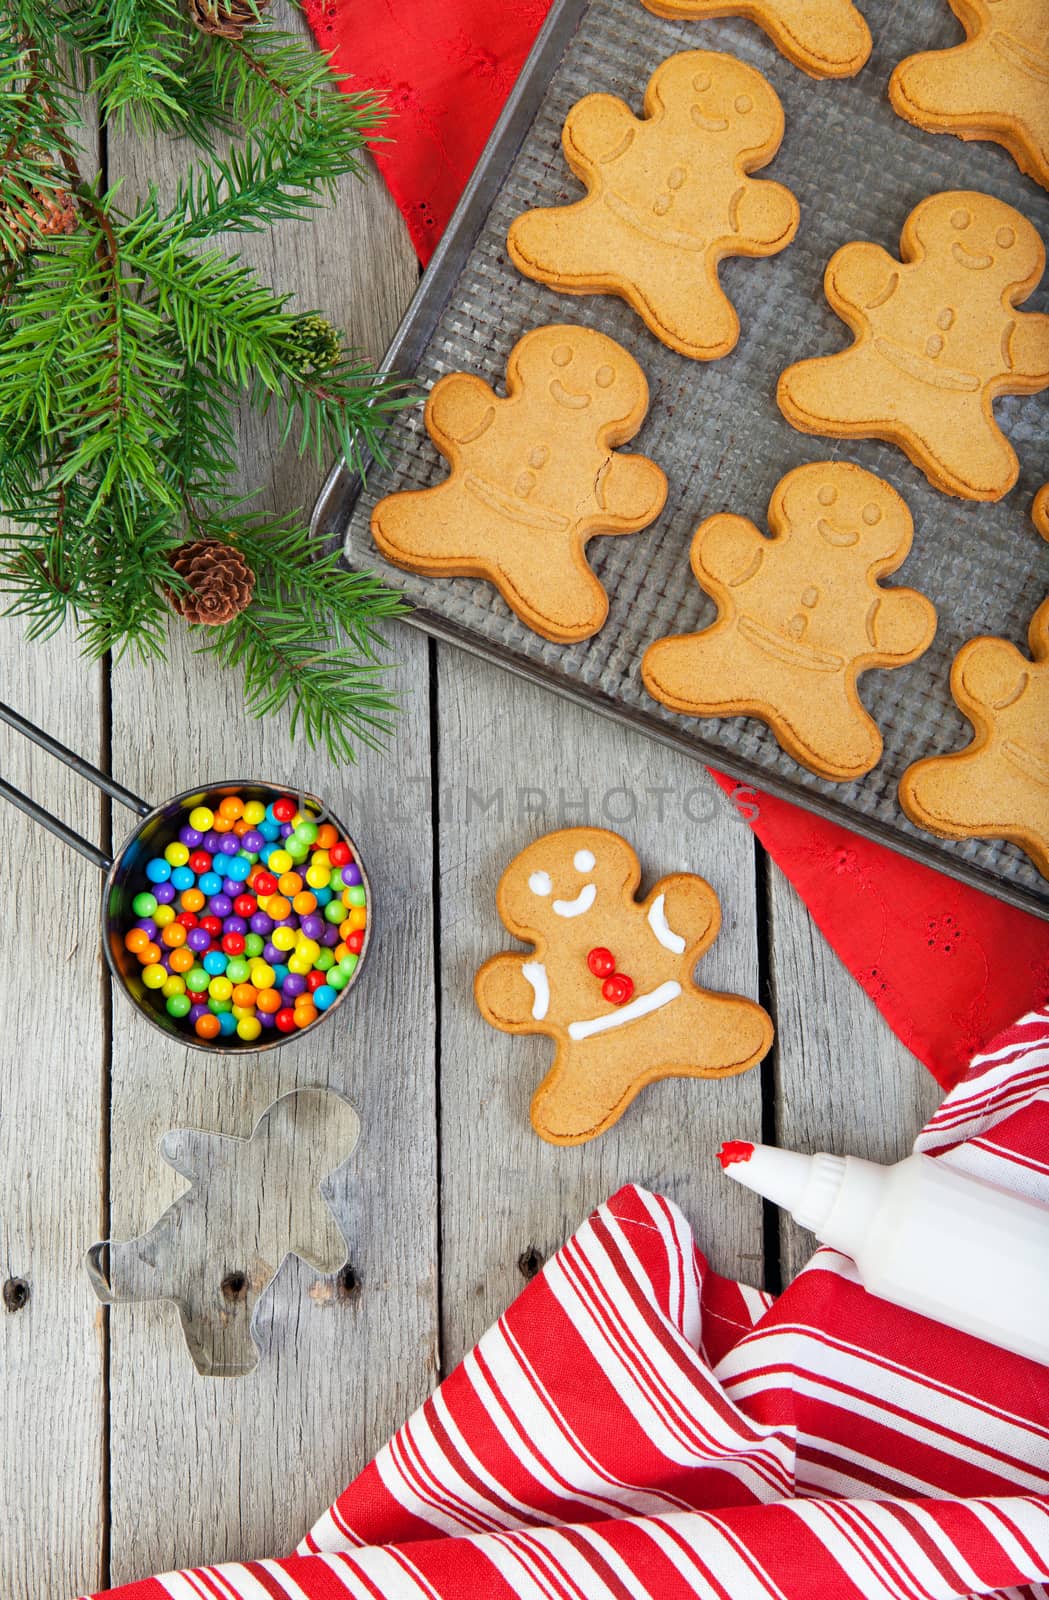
(641, 1007)
(582, 902)
(657, 921)
(535, 973)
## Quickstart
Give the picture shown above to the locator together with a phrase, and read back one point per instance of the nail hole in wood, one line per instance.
(15, 1294)
(347, 1280)
(529, 1262)
(235, 1285)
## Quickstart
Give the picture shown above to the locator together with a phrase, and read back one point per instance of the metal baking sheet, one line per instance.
(714, 427)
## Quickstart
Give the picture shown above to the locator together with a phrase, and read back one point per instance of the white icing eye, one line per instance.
(562, 355)
(540, 883)
(584, 861)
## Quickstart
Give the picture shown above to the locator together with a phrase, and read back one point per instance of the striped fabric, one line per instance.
(638, 1428)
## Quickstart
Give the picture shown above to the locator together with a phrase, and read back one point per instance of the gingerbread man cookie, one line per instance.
(938, 338)
(800, 617)
(994, 86)
(825, 38)
(998, 786)
(668, 198)
(1040, 511)
(534, 476)
(610, 981)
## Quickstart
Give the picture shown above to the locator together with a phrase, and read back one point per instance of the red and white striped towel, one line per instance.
(636, 1426)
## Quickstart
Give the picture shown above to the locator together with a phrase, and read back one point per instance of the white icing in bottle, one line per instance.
(657, 921)
(535, 973)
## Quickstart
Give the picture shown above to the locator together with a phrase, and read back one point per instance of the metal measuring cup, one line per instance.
(157, 827)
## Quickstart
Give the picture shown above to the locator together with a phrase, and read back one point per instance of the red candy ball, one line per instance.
(602, 962)
(617, 989)
(339, 854)
(314, 980)
(355, 941)
(212, 925)
(284, 811)
(188, 919)
(199, 862)
(265, 883)
(285, 1018)
(245, 905)
(233, 944)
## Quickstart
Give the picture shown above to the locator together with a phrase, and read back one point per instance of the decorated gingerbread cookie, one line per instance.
(1040, 511)
(998, 786)
(534, 476)
(938, 339)
(994, 86)
(610, 981)
(825, 38)
(668, 198)
(800, 617)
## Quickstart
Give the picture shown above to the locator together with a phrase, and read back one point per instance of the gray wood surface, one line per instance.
(115, 1457)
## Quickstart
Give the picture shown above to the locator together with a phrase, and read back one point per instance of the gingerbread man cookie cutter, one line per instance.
(534, 476)
(825, 38)
(610, 981)
(251, 1203)
(669, 196)
(937, 339)
(993, 86)
(800, 616)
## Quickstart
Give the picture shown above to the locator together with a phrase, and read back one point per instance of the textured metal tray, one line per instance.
(714, 427)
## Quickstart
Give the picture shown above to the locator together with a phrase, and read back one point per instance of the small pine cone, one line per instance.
(54, 211)
(312, 345)
(226, 19)
(219, 582)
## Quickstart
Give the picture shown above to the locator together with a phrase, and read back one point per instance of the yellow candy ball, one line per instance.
(264, 900)
(249, 1028)
(283, 938)
(155, 976)
(317, 877)
(177, 853)
(254, 813)
(279, 862)
(220, 988)
(262, 974)
(201, 819)
(321, 858)
(298, 963)
(174, 985)
(240, 1012)
(164, 915)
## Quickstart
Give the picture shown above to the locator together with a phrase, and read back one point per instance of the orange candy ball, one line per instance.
(232, 808)
(208, 1025)
(278, 907)
(305, 1013)
(304, 903)
(181, 960)
(326, 836)
(136, 940)
(192, 900)
(289, 883)
(244, 994)
(174, 935)
(222, 824)
(269, 1000)
(149, 955)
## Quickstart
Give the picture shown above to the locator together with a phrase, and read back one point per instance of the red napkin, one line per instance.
(636, 1427)
(946, 965)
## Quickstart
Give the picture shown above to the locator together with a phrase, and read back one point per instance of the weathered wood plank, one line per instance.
(515, 762)
(844, 1082)
(53, 1062)
(215, 1468)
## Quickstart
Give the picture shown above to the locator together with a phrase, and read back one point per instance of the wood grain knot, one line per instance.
(15, 1294)
(235, 1285)
(529, 1262)
(347, 1280)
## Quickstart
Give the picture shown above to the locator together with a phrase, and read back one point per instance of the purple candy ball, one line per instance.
(190, 837)
(234, 925)
(293, 985)
(211, 841)
(330, 936)
(287, 922)
(351, 876)
(198, 939)
(229, 844)
(252, 841)
(165, 895)
(287, 829)
(220, 905)
(272, 955)
(313, 927)
(148, 926)
(267, 1019)
(261, 923)
(197, 1011)
(233, 887)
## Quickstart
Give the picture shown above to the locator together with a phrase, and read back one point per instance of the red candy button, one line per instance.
(602, 962)
(618, 988)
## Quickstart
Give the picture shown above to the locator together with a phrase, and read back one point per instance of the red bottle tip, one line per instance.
(734, 1150)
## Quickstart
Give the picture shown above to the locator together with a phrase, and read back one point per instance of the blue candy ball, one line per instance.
(238, 868)
(227, 1024)
(210, 883)
(215, 962)
(158, 870)
(183, 878)
(324, 996)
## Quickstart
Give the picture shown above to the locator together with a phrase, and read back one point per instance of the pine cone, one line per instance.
(226, 19)
(53, 211)
(219, 582)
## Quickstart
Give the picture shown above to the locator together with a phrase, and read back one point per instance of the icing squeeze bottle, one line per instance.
(922, 1235)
